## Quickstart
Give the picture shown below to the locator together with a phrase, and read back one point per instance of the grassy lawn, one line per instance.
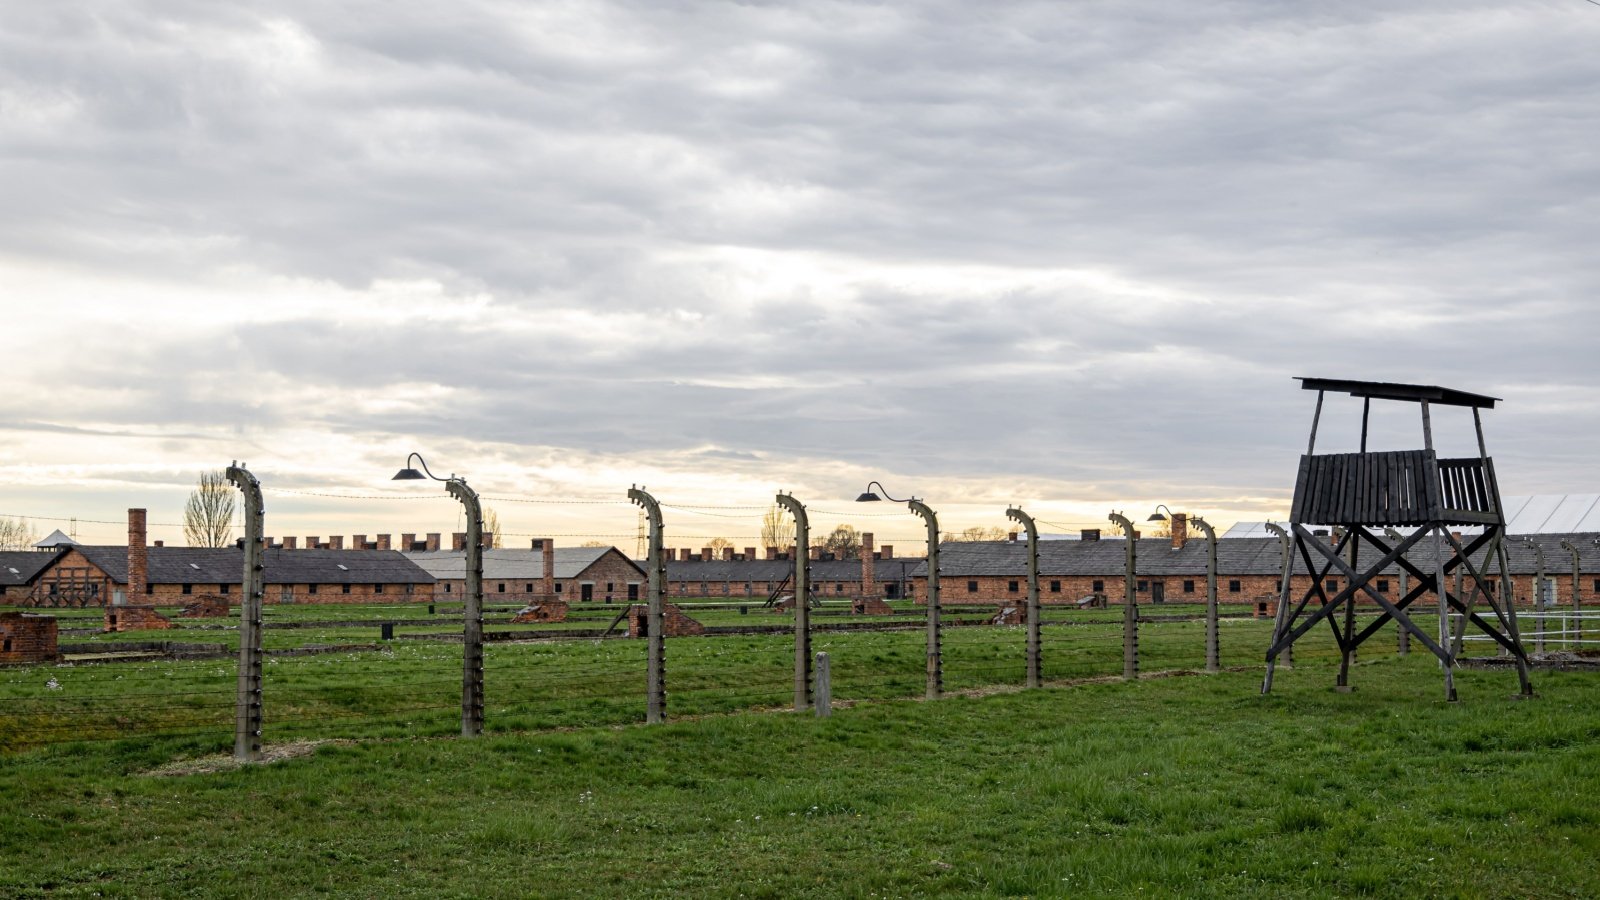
(1171, 786)
(1189, 786)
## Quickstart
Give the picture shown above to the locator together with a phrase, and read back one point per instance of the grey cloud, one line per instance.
(1312, 173)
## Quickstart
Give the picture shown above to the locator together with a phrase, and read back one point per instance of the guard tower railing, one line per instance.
(1395, 488)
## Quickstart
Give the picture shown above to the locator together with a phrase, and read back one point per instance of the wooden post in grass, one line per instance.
(824, 686)
(655, 637)
(1033, 592)
(247, 712)
(1130, 605)
(472, 627)
(1402, 636)
(1577, 594)
(802, 601)
(1213, 648)
(935, 687)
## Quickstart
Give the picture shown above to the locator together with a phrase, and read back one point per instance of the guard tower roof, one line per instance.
(1414, 393)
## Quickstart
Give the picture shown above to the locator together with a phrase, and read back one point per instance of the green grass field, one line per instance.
(1169, 786)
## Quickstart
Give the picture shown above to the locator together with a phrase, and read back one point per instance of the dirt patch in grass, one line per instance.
(210, 765)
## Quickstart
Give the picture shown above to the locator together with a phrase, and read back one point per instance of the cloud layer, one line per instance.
(1060, 253)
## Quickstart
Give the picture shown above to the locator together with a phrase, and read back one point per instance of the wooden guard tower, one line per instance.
(1362, 494)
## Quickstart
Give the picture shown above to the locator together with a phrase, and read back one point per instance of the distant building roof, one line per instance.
(740, 570)
(1538, 514)
(225, 565)
(20, 567)
(512, 565)
(1235, 556)
(55, 539)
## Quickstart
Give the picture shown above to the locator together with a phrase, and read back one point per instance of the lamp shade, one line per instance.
(867, 497)
(408, 475)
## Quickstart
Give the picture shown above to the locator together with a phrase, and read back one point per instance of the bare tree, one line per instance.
(717, 545)
(975, 533)
(491, 527)
(844, 542)
(777, 529)
(17, 534)
(594, 544)
(208, 516)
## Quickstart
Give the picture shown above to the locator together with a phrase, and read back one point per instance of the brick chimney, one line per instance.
(358, 542)
(547, 584)
(433, 542)
(816, 552)
(887, 552)
(290, 543)
(383, 542)
(708, 554)
(486, 539)
(772, 553)
(1089, 534)
(727, 554)
(1179, 527)
(408, 542)
(869, 581)
(749, 553)
(313, 541)
(458, 540)
(159, 544)
(335, 542)
(1012, 537)
(138, 560)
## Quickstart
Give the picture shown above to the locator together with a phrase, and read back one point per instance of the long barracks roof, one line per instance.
(741, 570)
(514, 565)
(225, 565)
(19, 567)
(1235, 557)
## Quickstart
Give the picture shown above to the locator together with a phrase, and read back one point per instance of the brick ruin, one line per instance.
(870, 606)
(677, 623)
(135, 618)
(1013, 613)
(27, 638)
(209, 606)
(541, 611)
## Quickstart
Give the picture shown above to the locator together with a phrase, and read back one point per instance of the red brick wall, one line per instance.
(27, 638)
(359, 593)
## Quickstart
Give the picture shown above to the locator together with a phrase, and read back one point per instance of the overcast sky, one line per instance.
(1067, 255)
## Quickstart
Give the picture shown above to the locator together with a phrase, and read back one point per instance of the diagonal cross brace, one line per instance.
(1396, 613)
(1357, 581)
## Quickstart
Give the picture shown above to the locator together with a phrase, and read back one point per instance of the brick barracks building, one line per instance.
(1168, 570)
(704, 573)
(570, 574)
(1248, 570)
(97, 576)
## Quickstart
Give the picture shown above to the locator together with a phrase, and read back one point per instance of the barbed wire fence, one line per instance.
(320, 675)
